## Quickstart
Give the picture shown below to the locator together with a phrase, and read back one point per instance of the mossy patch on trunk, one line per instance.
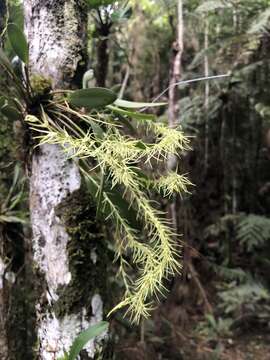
(87, 253)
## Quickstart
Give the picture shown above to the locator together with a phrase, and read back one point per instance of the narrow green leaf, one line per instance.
(92, 98)
(4, 61)
(6, 65)
(11, 219)
(115, 196)
(100, 194)
(141, 145)
(2, 101)
(132, 114)
(97, 130)
(136, 105)
(18, 42)
(86, 336)
(10, 112)
(126, 210)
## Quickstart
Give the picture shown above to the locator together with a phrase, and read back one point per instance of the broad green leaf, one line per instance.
(136, 105)
(18, 42)
(86, 336)
(132, 114)
(92, 98)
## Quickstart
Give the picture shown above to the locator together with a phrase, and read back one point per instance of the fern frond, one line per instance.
(235, 297)
(253, 231)
(211, 5)
(261, 23)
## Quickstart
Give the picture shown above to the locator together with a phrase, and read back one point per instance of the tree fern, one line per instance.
(261, 23)
(253, 231)
(230, 274)
(248, 294)
(212, 5)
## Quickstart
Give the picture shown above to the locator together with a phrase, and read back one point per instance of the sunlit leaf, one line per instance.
(11, 219)
(136, 105)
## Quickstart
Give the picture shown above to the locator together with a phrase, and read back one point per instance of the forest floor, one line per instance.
(178, 331)
(246, 347)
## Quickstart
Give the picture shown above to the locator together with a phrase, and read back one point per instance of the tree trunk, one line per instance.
(56, 31)
(206, 93)
(102, 62)
(3, 265)
(175, 76)
(173, 111)
(101, 70)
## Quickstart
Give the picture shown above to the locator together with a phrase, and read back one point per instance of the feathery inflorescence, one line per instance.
(120, 156)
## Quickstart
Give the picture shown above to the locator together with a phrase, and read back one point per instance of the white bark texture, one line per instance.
(173, 111)
(56, 32)
(175, 77)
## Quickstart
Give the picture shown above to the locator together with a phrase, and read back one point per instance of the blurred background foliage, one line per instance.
(220, 307)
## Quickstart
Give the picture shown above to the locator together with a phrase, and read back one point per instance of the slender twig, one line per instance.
(208, 306)
(184, 82)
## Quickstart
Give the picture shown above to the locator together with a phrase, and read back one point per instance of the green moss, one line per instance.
(40, 85)
(86, 244)
(7, 146)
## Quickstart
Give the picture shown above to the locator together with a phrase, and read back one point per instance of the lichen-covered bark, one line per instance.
(56, 31)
